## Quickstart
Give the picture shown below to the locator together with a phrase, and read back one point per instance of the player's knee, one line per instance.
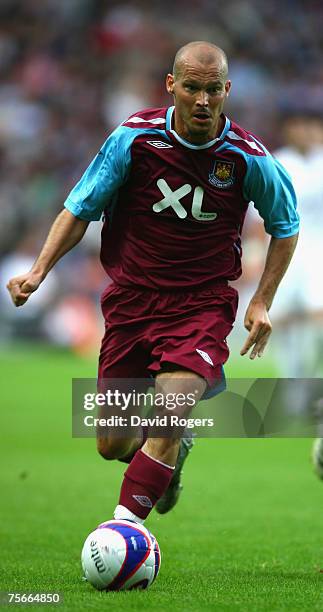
(104, 448)
(111, 448)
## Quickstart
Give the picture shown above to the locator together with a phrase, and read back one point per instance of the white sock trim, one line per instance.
(122, 513)
(170, 467)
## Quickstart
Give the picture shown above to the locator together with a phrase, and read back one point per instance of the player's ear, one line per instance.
(170, 83)
(227, 88)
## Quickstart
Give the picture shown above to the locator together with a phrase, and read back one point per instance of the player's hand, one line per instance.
(258, 324)
(21, 287)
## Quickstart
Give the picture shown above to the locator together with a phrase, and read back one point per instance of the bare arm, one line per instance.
(64, 234)
(257, 322)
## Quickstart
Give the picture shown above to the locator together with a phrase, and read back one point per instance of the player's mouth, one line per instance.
(201, 117)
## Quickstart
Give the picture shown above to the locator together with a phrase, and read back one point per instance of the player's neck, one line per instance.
(194, 138)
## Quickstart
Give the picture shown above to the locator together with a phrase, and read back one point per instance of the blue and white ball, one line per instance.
(120, 555)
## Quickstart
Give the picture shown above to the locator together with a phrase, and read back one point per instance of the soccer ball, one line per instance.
(120, 555)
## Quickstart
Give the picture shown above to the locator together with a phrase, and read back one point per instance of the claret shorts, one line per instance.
(147, 330)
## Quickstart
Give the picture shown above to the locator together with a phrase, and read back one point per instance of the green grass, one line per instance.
(246, 536)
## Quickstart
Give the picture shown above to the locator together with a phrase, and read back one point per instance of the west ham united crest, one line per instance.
(222, 175)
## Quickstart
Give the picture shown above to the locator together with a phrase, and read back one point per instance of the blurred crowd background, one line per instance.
(72, 70)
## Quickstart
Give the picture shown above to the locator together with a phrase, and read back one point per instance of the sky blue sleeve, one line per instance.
(103, 177)
(269, 186)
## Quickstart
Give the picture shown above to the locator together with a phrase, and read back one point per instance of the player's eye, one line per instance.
(190, 87)
(215, 90)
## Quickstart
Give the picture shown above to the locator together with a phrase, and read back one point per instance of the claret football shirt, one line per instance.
(173, 211)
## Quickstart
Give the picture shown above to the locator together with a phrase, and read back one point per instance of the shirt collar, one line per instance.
(169, 116)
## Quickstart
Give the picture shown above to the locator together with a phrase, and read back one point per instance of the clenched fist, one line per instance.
(21, 287)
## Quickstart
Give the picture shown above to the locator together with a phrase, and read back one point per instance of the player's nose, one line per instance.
(202, 98)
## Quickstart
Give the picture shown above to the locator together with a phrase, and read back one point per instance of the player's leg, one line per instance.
(175, 382)
(119, 442)
(196, 340)
(123, 357)
(120, 369)
(171, 496)
(152, 468)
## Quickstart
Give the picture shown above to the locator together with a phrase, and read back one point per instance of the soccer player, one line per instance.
(174, 186)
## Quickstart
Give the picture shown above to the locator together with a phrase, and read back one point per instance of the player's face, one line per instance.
(199, 95)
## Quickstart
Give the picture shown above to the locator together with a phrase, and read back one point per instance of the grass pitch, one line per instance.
(246, 535)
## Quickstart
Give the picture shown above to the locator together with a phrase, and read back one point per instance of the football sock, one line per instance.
(131, 455)
(145, 481)
(122, 513)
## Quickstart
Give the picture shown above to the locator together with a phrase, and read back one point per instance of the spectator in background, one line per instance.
(299, 306)
(298, 310)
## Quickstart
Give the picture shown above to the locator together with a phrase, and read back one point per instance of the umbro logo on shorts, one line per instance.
(159, 144)
(143, 500)
(205, 356)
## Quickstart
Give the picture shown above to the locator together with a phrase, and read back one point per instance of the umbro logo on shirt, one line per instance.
(159, 144)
